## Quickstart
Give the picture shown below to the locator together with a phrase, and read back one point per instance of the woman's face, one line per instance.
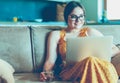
(76, 18)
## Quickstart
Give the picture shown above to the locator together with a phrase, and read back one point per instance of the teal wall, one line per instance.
(27, 10)
(94, 9)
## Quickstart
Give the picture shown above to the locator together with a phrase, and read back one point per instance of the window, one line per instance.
(112, 9)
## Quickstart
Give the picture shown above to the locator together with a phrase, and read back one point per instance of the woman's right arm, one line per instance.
(51, 53)
(51, 50)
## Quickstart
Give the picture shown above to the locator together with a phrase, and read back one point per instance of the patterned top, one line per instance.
(62, 42)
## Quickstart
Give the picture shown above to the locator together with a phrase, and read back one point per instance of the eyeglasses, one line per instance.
(75, 17)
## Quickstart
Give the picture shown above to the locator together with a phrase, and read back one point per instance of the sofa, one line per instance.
(24, 47)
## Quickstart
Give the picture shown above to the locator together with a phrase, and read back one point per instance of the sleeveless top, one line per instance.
(62, 42)
(61, 49)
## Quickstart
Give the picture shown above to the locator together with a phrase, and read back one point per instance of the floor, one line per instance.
(34, 78)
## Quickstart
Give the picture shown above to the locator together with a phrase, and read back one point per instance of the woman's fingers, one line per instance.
(42, 76)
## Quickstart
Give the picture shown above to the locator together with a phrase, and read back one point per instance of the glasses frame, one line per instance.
(81, 17)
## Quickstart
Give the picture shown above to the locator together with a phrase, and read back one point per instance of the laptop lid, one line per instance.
(80, 48)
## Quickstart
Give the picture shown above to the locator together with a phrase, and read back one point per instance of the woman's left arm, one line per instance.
(94, 32)
(115, 50)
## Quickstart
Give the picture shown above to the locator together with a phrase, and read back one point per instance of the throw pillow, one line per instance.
(6, 71)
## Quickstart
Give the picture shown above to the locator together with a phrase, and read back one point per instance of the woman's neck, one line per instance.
(72, 30)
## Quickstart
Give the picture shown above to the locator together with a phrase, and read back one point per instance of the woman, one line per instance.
(88, 70)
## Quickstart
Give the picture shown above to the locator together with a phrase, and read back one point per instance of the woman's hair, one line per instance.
(69, 8)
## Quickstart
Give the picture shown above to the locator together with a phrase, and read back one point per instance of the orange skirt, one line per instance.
(91, 70)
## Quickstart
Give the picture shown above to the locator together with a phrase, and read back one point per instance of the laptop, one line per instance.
(80, 48)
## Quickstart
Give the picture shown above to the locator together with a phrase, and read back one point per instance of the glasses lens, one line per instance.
(81, 17)
(75, 17)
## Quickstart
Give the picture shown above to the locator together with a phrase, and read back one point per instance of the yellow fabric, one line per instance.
(91, 70)
(88, 70)
(83, 32)
(62, 44)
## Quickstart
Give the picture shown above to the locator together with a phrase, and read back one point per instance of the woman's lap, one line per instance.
(91, 70)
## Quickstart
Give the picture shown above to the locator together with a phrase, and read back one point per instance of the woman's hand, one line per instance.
(47, 76)
(43, 77)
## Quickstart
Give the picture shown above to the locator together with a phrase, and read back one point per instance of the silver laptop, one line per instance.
(80, 48)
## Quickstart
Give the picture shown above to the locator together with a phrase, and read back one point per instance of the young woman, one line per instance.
(88, 70)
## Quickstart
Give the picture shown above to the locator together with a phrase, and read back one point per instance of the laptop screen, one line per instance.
(80, 48)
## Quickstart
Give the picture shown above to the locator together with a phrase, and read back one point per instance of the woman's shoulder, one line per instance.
(89, 29)
(55, 34)
(93, 32)
(58, 32)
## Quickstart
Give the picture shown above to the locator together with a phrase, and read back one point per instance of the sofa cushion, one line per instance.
(15, 47)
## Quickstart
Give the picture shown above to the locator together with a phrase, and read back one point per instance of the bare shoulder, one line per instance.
(54, 35)
(56, 32)
(94, 32)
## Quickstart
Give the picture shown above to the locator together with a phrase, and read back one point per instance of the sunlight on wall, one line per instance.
(113, 12)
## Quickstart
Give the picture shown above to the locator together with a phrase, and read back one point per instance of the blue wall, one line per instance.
(27, 10)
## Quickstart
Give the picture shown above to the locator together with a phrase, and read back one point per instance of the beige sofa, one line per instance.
(24, 47)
